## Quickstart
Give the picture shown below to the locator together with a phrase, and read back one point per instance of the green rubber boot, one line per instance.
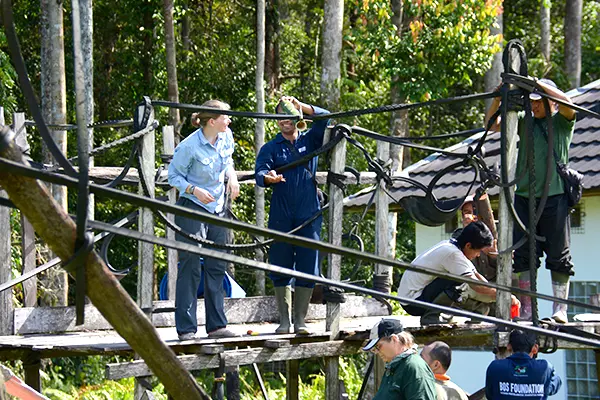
(301, 302)
(283, 295)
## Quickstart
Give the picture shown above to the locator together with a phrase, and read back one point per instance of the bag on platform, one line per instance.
(573, 181)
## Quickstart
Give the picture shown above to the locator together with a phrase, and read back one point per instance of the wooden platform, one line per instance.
(33, 342)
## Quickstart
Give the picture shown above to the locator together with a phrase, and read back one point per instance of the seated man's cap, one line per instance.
(384, 328)
(286, 107)
(536, 96)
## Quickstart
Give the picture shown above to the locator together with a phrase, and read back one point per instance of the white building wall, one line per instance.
(469, 367)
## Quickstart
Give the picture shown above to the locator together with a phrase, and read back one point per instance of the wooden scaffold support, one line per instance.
(58, 230)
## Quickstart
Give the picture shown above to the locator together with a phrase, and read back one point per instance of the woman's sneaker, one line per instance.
(222, 333)
(187, 336)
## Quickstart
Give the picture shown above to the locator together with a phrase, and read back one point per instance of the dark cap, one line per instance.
(521, 341)
(537, 96)
(384, 328)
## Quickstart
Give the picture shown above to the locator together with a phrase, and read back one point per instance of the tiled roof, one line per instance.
(584, 156)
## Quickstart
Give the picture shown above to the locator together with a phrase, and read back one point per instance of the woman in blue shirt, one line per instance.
(198, 170)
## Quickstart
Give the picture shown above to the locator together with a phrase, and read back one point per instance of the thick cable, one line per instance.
(230, 258)
(116, 123)
(400, 142)
(141, 201)
(341, 114)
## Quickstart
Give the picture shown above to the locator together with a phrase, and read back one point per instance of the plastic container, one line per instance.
(515, 311)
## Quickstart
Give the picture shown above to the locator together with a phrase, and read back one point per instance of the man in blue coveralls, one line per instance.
(521, 376)
(293, 202)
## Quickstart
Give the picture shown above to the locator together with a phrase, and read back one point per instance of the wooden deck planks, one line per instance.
(248, 310)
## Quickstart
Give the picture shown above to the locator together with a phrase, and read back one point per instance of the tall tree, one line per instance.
(273, 38)
(545, 35)
(492, 77)
(54, 109)
(573, 41)
(87, 49)
(172, 86)
(399, 128)
(333, 24)
(259, 133)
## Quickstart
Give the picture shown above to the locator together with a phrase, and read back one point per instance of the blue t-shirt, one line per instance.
(521, 377)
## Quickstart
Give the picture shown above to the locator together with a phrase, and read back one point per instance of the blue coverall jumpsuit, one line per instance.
(293, 201)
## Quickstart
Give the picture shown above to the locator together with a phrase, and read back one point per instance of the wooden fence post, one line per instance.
(28, 251)
(336, 216)
(6, 304)
(168, 150)
(383, 273)
(145, 281)
(505, 229)
(292, 368)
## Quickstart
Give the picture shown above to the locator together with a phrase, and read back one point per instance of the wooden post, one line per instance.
(382, 272)
(505, 232)
(57, 229)
(168, 150)
(382, 224)
(145, 292)
(28, 252)
(218, 388)
(292, 382)
(145, 281)
(232, 383)
(31, 367)
(336, 215)
(28, 258)
(6, 303)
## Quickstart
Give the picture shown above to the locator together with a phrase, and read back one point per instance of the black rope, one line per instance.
(401, 142)
(115, 123)
(341, 114)
(144, 202)
(208, 253)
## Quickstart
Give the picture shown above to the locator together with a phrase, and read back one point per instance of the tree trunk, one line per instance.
(259, 133)
(492, 77)
(148, 45)
(573, 42)
(87, 48)
(545, 30)
(333, 24)
(307, 69)
(399, 128)
(272, 37)
(106, 44)
(172, 87)
(185, 31)
(54, 110)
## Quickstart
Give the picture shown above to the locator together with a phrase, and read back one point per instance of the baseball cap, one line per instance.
(537, 96)
(384, 328)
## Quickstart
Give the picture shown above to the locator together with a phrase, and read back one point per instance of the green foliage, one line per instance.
(442, 43)
(521, 15)
(8, 78)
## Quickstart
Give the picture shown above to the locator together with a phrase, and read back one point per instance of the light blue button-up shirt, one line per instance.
(198, 162)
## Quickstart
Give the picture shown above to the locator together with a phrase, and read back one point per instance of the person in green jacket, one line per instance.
(407, 376)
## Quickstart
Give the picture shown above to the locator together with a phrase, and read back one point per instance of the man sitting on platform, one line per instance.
(454, 257)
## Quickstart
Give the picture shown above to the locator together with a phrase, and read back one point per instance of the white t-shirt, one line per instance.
(443, 257)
